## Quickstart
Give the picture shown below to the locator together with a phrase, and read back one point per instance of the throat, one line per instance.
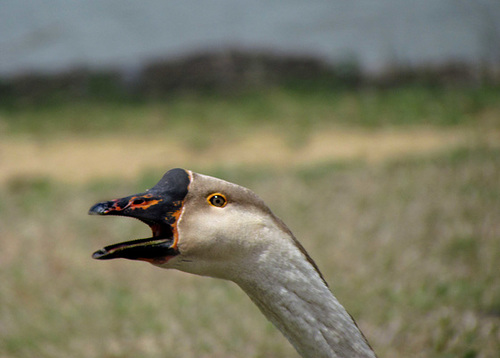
(296, 300)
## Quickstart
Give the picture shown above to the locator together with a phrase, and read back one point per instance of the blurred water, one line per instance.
(52, 35)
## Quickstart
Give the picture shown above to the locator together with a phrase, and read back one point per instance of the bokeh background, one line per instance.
(371, 128)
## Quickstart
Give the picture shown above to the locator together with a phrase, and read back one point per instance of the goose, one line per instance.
(210, 227)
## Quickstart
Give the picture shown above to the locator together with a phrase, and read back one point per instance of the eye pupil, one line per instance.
(217, 200)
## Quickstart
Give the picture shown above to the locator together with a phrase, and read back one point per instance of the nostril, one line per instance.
(138, 201)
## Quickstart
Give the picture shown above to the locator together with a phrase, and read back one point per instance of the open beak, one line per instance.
(159, 247)
(159, 208)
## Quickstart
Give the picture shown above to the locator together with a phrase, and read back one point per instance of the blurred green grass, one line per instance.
(410, 246)
(294, 110)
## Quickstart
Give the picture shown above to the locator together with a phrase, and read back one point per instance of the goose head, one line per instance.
(200, 224)
(211, 227)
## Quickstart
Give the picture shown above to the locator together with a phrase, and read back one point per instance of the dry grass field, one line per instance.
(403, 219)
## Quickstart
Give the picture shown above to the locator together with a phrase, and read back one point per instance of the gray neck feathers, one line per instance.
(291, 293)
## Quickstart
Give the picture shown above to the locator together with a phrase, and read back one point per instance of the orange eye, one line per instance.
(217, 200)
